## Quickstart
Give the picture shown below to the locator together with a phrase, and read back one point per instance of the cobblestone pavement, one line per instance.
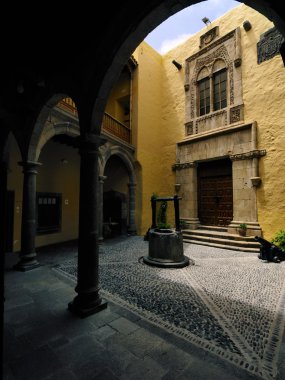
(229, 303)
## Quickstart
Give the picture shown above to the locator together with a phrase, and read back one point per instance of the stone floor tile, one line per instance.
(113, 344)
(79, 351)
(63, 374)
(124, 326)
(105, 374)
(104, 333)
(141, 342)
(37, 364)
(104, 317)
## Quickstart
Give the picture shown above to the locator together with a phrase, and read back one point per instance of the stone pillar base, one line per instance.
(82, 310)
(100, 240)
(191, 223)
(253, 228)
(26, 264)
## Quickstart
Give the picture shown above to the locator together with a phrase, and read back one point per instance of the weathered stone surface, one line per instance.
(166, 249)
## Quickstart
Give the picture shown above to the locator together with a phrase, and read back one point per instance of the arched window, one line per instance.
(204, 91)
(219, 85)
(212, 89)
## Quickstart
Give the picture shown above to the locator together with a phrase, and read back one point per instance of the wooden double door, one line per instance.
(215, 193)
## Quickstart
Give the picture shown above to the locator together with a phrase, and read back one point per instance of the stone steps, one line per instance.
(220, 238)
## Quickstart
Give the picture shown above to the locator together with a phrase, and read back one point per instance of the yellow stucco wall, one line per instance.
(263, 92)
(152, 143)
(119, 96)
(263, 95)
(59, 173)
(53, 176)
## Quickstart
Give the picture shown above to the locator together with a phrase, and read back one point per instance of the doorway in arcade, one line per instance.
(115, 198)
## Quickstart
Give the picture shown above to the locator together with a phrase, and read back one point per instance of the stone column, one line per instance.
(88, 300)
(186, 176)
(244, 194)
(132, 206)
(28, 256)
(3, 218)
(101, 205)
(3, 204)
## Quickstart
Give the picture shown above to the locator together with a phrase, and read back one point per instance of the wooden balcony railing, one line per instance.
(109, 123)
(68, 105)
(116, 128)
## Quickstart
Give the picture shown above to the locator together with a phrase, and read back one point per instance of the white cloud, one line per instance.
(169, 44)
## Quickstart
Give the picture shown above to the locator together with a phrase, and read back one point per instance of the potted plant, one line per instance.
(183, 224)
(279, 239)
(242, 229)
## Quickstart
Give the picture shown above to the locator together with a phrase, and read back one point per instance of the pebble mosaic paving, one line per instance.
(229, 302)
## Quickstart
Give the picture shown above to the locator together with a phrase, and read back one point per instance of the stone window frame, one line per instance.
(212, 70)
(227, 48)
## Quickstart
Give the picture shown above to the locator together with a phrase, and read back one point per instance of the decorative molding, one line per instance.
(208, 37)
(183, 165)
(212, 46)
(248, 155)
(220, 53)
(192, 97)
(269, 45)
(211, 115)
(231, 75)
(236, 114)
(215, 133)
(189, 128)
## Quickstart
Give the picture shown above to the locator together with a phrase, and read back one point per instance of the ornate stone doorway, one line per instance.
(215, 193)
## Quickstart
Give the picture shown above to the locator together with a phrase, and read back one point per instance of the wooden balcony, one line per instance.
(67, 104)
(109, 123)
(116, 128)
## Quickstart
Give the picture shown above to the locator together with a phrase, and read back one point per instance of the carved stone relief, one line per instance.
(189, 128)
(236, 114)
(269, 45)
(209, 37)
(226, 49)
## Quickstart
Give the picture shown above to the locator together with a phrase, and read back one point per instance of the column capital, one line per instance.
(102, 178)
(30, 166)
(90, 142)
(184, 165)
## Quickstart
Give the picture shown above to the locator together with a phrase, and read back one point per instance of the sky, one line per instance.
(179, 27)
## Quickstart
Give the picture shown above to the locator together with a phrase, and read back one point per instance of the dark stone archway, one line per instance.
(114, 213)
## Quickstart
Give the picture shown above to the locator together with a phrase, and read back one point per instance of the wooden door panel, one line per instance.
(215, 200)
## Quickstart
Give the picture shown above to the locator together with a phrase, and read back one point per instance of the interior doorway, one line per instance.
(114, 215)
(10, 221)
